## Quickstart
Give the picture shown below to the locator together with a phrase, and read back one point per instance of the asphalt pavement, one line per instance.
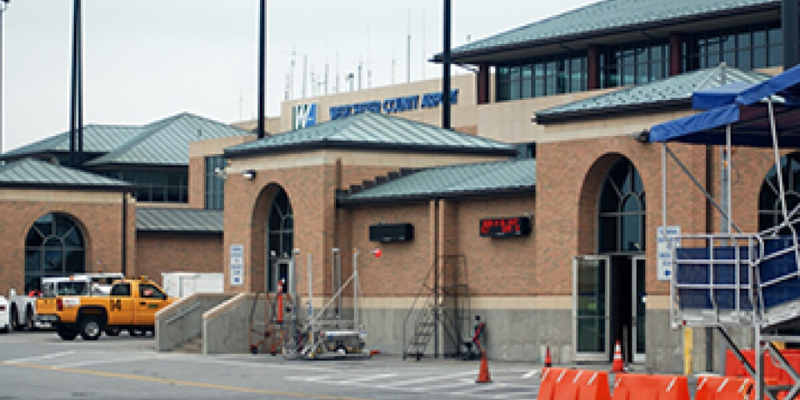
(40, 365)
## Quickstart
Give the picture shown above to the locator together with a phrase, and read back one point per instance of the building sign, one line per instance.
(666, 237)
(393, 105)
(505, 227)
(304, 115)
(237, 265)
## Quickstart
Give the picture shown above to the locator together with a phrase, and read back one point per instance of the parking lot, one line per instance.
(40, 365)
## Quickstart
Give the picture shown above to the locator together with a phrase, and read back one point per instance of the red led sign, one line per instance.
(505, 227)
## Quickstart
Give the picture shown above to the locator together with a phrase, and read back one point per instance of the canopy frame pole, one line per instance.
(781, 191)
(702, 189)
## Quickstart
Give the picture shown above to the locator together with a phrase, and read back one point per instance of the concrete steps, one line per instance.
(192, 346)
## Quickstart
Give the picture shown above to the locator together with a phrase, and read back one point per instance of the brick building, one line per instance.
(538, 213)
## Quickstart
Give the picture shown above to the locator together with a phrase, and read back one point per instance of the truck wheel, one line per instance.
(29, 325)
(66, 333)
(113, 331)
(91, 327)
(14, 319)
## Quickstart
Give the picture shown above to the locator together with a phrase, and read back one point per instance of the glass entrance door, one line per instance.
(590, 308)
(638, 309)
(281, 269)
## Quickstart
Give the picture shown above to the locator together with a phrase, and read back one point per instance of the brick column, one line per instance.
(593, 67)
(483, 84)
(674, 54)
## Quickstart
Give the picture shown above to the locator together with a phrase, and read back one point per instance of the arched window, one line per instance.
(54, 246)
(621, 220)
(280, 239)
(770, 211)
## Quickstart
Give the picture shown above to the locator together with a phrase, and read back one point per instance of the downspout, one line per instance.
(436, 229)
(124, 234)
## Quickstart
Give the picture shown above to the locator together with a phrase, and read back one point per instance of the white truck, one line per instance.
(182, 284)
(21, 309)
(5, 321)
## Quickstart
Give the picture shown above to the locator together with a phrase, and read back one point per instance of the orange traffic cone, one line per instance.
(548, 360)
(617, 365)
(483, 373)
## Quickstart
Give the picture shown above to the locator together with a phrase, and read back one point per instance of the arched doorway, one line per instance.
(280, 243)
(770, 210)
(54, 246)
(609, 286)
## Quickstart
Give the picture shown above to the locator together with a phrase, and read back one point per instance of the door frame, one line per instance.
(637, 357)
(583, 356)
(274, 273)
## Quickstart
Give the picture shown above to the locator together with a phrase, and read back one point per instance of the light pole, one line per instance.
(262, 64)
(3, 8)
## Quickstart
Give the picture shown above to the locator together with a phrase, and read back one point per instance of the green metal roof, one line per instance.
(676, 90)
(463, 180)
(375, 132)
(166, 142)
(179, 220)
(29, 172)
(605, 17)
(96, 139)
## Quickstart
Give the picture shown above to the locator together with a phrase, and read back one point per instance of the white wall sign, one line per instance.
(667, 241)
(237, 265)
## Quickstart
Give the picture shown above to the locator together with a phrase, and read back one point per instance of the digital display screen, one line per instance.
(505, 227)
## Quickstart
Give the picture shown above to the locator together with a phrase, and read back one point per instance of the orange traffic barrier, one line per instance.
(723, 388)
(572, 384)
(651, 387)
(483, 373)
(547, 386)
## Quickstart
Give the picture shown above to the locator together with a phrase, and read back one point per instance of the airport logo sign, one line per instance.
(304, 116)
(394, 105)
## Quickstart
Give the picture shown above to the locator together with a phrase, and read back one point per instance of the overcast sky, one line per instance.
(149, 59)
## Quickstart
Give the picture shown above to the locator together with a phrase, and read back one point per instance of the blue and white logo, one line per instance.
(304, 115)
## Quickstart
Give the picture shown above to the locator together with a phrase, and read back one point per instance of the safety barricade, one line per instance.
(723, 388)
(650, 387)
(550, 377)
(573, 384)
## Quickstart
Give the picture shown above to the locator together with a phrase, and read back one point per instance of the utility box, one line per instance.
(183, 284)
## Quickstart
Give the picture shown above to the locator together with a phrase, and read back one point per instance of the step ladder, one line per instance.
(424, 330)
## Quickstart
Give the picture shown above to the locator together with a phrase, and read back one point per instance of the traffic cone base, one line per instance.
(483, 373)
(618, 364)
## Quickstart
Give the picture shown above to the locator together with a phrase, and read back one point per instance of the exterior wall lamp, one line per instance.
(249, 174)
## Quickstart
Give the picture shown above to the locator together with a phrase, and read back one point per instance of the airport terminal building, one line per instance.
(538, 212)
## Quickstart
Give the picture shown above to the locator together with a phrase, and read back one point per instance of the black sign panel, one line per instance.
(388, 233)
(505, 227)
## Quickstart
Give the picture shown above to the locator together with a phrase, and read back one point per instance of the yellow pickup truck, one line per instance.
(132, 304)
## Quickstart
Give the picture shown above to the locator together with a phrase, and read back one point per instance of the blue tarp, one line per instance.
(717, 97)
(742, 109)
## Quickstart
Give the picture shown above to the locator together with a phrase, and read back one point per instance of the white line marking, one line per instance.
(120, 361)
(423, 380)
(39, 358)
(530, 374)
(367, 378)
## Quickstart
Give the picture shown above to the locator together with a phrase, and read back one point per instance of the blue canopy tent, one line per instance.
(740, 106)
(739, 276)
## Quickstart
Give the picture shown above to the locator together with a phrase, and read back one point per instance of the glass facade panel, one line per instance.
(621, 220)
(770, 210)
(158, 186)
(591, 306)
(215, 183)
(53, 247)
(743, 47)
